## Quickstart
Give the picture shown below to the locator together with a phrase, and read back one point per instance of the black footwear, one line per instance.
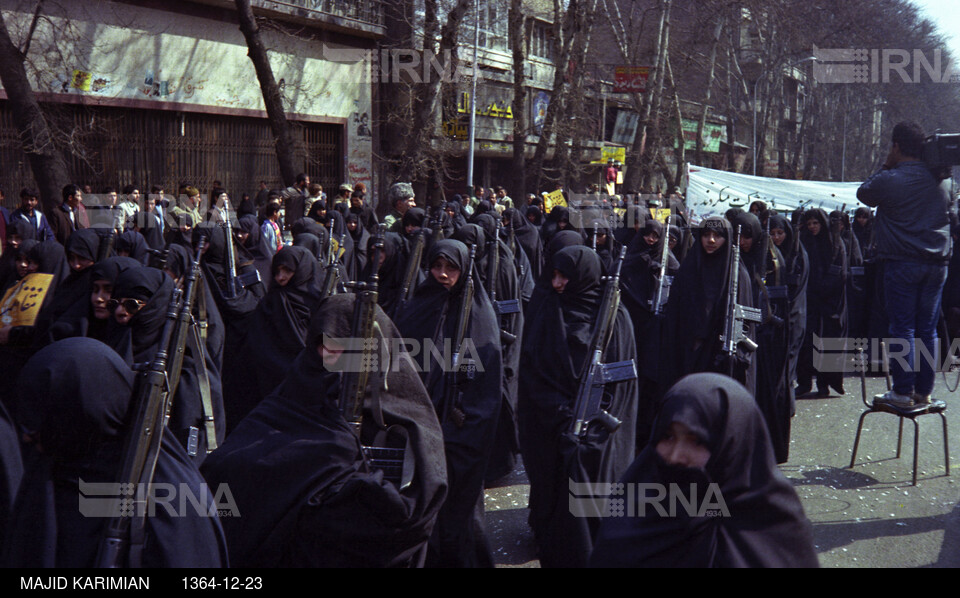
(838, 388)
(802, 390)
(823, 393)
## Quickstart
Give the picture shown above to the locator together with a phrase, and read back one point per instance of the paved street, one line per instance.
(868, 516)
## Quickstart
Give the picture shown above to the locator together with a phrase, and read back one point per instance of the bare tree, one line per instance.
(284, 139)
(46, 158)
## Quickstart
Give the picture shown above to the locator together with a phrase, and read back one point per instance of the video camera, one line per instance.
(941, 152)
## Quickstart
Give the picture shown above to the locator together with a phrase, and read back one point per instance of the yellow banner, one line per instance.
(554, 198)
(660, 214)
(21, 303)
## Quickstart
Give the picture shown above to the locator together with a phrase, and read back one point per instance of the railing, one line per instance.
(363, 11)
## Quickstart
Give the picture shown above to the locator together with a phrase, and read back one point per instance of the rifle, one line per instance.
(504, 307)
(122, 541)
(354, 381)
(232, 289)
(235, 283)
(662, 291)
(413, 266)
(436, 223)
(595, 375)
(450, 407)
(331, 280)
(734, 335)
(106, 245)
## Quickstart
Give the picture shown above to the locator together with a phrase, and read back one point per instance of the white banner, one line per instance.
(712, 192)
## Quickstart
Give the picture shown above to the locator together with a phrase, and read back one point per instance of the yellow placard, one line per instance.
(621, 212)
(552, 199)
(660, 214)
(21, 303)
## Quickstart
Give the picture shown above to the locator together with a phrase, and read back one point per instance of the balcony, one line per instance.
(353, 17)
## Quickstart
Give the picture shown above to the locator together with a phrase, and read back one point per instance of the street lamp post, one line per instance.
(753, 105)
(473, 99)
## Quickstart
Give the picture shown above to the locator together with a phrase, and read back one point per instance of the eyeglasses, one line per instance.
(131, 306)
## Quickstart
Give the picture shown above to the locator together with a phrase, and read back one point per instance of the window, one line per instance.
(541, 41)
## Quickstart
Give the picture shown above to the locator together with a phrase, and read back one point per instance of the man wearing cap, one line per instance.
(187, 204)
(342, 201)
(401, 198)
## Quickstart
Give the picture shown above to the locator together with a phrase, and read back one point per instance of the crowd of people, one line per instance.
(485, 326)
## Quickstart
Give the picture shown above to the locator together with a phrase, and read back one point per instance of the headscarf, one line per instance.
(761, 522)
(134, 244)
(75, 398)
(434, 311)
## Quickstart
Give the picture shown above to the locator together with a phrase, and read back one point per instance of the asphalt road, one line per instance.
(867, 516)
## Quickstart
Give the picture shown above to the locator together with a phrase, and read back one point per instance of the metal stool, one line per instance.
(911, 413)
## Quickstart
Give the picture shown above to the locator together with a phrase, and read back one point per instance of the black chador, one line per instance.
(506, 446)
(473, 405)
(277, 330)
(696, 312)
(797, 271)
(767, 271)
(761, 523)
(638, 283)
(82, 319)
(393, 266)
(75, 399)
(826, 300)
(199, 393)
(307, 496)
(558, 333)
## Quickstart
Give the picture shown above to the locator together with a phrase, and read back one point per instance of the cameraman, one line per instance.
(913, 244)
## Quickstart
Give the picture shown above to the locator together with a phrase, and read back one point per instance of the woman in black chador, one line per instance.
(469, 412)
(696, 312)
(710, 445)
(75, 404)
(326, 507)
(638, 283)
(90, 316)
(143, 297)
(795, 275)
(767, 270)
(560, 329)
(826, 300)
(277, 330)
(506, 446)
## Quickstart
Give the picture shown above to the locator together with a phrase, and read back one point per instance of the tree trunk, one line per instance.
(564, 32)
(284, 141)
(518, 41)
(698, 156)
(46, 159)
(634, 174)
(417, 162)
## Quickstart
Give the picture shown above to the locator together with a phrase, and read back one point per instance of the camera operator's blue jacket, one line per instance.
(912, 217)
